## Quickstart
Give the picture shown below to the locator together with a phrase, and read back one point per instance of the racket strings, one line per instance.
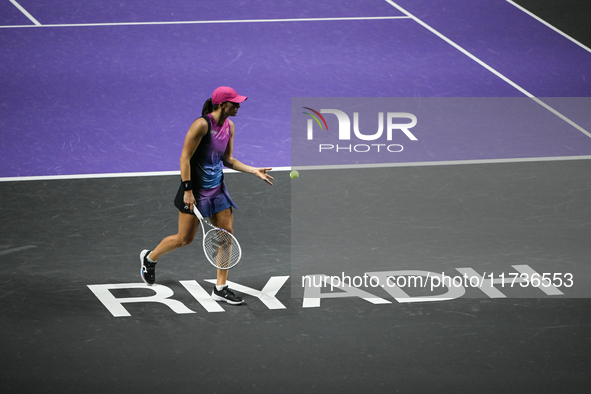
(221, 249)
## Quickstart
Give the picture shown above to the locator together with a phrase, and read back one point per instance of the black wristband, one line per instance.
(187, 185)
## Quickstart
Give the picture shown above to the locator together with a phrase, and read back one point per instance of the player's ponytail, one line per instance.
(208, 107)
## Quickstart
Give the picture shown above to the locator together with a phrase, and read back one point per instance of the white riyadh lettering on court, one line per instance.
(201, 296)
(266, 295)
(547, 288)
(489, 68)
(402, 297)
(26, 13)
(313, 294)
(452, 286)
(115, 305)
(487, 286)
(163, 293)
(448, 287)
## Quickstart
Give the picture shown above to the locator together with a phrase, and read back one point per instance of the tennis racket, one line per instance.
(220, 247)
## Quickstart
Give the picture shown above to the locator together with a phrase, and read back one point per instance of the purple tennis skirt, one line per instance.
(209, 201)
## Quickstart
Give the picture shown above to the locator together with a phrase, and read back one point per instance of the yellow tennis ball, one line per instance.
(294, 174)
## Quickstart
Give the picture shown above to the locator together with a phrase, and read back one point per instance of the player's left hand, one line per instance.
(262, 173)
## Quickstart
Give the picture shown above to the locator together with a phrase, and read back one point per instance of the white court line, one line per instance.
(111, 175)
(459, 48)
(441, 163)
(26, 13)
(364, 18)
(309, 168)
(549, 25)
(489, 68)
(561, 116)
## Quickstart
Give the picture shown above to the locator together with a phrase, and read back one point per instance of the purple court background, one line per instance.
(116, 99)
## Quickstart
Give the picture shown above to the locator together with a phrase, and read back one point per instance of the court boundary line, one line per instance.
(460, 48)
(489, 68)
(557, 30)
(112, 175)
(25, 13)
(304, 168)
(442, 163)
(352, 18)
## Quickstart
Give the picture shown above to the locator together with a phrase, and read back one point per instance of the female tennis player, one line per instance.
(207, 148)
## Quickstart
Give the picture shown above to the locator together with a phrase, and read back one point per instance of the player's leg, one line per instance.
(188, 226)
(225, 220)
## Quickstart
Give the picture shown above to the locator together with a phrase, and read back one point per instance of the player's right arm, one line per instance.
(196, 132)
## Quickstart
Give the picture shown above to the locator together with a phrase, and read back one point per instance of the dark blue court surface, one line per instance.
(95, 101)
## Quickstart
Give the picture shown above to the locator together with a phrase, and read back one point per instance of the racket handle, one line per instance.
(197, 213)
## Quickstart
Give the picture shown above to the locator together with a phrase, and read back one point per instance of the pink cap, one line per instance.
(224, 93)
